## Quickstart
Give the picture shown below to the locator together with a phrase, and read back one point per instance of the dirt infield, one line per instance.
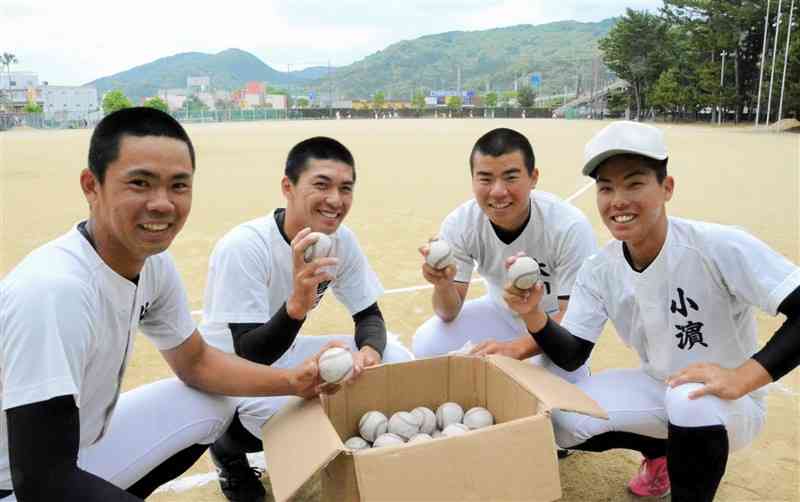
(411, 173)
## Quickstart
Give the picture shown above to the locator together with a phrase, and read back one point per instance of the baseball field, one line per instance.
(411, 173)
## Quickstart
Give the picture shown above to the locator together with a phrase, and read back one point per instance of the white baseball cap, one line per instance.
(620, 138)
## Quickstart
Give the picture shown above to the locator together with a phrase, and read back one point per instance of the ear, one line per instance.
(669, 187)
(90, 185)
(286, 186)
(534, 177)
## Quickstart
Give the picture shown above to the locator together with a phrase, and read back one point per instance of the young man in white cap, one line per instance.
(507, 216)
(682, 293)
(260, 291)
(68, 313)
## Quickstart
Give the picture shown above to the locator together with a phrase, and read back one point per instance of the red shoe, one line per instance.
(652, 480)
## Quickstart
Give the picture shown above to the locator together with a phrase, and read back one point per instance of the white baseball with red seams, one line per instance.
(321, 248)
(440, 254)
(524, 272)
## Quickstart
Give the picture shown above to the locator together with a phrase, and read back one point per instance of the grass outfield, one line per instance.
(411, 173)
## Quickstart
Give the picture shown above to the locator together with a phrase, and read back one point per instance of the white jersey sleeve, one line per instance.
(751, 271)
(238, 278)
(575, 246)
(168, 322)
(454, 231)
(47, 332)
(586, 313)
(356, 285)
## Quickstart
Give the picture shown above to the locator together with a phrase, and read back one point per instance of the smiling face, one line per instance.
(502, 187)
(142, 203)
(321, 198)
(632, 203)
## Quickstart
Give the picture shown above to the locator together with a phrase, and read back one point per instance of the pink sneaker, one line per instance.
(652, 480)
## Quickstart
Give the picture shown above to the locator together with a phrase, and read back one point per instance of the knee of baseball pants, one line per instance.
(395, 352)
(424, 343)
(742, 418)
(572, 429)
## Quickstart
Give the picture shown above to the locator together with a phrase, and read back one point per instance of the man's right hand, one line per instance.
(438, 278)
(306, 276)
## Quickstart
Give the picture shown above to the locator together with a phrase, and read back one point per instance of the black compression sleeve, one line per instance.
(265, 343)
(370, 328)
(781, 354)
(43, 441)
(565, 349)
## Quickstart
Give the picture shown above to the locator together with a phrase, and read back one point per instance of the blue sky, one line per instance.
(70, 43)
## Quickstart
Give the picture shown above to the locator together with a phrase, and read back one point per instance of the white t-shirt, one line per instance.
(558, 236)
(66, 327)
(693, 303)
(250, 277)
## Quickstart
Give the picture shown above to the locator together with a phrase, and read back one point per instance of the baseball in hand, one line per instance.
(322, 248)
(524, 272)
(440, 254)
(335, 364)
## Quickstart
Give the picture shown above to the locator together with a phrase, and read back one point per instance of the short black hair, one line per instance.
(501, 141)
(320, 148)
(659, 167)
(137, 121)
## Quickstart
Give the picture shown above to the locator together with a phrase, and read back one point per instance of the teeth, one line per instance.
(155, 227)
(500, 206)
(623, 218)
(329, 215)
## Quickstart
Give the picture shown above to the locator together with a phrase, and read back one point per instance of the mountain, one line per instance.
(229, 69)
(562, 52)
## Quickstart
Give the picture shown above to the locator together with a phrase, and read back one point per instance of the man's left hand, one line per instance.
(364, 358)
(722, 382)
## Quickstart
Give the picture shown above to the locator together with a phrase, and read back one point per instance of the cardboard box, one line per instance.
(512, 460)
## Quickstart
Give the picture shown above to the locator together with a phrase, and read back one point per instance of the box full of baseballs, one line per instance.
(487, 434)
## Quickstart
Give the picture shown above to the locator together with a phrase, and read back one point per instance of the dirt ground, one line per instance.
(411, 173)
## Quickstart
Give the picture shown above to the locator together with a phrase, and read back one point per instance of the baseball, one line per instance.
(387, 439)
(455, 430)
(335, 365)
(322, 248)
(477, 418)
(356, 443)
(418, 438)
(404, 424)
(440, 255)
(449, 413)
(436, 434)
(524, 272)
(372, 425)
(427, 419)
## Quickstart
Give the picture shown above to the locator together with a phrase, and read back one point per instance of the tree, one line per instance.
(193, 104)
(454, 102)
(526, 96)
(302, 103)
(507, 98)
(638, 49)
(490, 99)
(157, 103)
(32, 107)
(378, 100)
(115, 100)
(7, 59)
(418, 101)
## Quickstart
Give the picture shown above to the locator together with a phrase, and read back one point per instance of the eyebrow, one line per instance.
(510, 170)
(328, 179)
(145, 173)
(637, 172)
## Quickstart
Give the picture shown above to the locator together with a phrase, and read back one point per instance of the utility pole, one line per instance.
(774, 55)
(786, 58)
(721, 83)
(288, 90)
(761, 71)
(458, 74)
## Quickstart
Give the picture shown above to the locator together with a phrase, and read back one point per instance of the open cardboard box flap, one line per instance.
(552, 391)
(299, 440)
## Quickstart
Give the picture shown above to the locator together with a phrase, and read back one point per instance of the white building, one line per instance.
(201, 84)
(173, 97)
(275, 101)
(62, 102)
(19, 87)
